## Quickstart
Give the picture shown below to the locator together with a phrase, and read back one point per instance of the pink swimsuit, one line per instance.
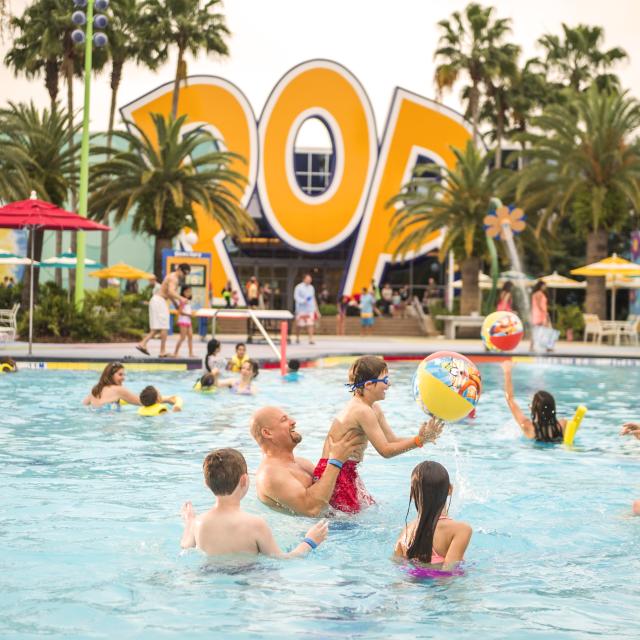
(436, 558)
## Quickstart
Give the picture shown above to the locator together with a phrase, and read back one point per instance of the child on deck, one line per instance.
(184, 321)
(225, 528)
(433, 537)
(368, 381)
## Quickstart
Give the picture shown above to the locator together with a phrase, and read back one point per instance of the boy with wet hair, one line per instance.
(150, 396)
(368, 382)
(226, 529)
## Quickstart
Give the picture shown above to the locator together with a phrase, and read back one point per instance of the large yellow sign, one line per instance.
(364, 177)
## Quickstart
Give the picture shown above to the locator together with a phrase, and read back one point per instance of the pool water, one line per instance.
(90, 525)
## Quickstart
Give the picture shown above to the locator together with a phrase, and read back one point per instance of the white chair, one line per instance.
(593, 327)
(630, 330)
(9, 323)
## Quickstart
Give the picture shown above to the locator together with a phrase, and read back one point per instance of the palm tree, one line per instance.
(161, 183)
(36, 145)
(577, 60)
(457, 200)
(468, 45)
(585, 163)
(191, 26)
(126, 43)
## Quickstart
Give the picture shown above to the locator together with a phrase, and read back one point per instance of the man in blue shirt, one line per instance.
(306, 307)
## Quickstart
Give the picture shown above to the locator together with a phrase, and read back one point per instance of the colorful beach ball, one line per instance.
(502, 331)
(447, 385)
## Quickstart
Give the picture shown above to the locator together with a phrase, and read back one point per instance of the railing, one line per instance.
(421, 315)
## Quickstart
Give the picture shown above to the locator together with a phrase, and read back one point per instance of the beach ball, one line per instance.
(502, 331)
(447, 385)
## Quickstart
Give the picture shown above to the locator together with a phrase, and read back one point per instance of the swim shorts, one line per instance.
(349, 494)
(305, 319)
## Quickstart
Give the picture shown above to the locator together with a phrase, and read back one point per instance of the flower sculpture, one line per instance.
(511, 216)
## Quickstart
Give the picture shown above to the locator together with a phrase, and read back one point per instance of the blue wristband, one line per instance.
(310, 542)
(335, 463)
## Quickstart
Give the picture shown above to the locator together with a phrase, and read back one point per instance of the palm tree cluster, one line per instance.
(574, 159)
(159, 180)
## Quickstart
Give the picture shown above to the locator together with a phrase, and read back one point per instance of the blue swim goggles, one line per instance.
(358, 385)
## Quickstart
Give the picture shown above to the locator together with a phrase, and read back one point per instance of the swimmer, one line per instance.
(213, 362)
(433, 537)
(206, 383)
(8, 365)
(369, 381)
(150, 396)
(110, 390)
(543, 425)
(632, 429)
(240, 357)
(243, 385)
(293, 371)
(225, 528)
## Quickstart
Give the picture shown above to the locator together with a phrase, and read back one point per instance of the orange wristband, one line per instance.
(418, 441)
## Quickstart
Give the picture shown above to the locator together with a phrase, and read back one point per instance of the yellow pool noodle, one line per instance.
(574, 424)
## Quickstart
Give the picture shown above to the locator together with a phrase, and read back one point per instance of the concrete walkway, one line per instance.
(325, 346)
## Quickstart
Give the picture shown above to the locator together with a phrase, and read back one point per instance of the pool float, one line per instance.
(431, 573)
(158, 408)
(5, 367)
(573, 425)
(447, 385)
(198, 387)
(502, 331)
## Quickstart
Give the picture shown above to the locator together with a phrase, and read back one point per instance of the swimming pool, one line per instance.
(90, 517)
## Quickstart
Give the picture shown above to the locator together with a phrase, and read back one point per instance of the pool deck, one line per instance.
(326, 351)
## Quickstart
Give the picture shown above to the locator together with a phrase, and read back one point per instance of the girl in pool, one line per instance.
(110, 390)
(244, 384)
(543, 425)
(433, 537)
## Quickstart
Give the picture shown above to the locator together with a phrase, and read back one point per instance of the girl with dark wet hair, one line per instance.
(543, 425)
(432, 537)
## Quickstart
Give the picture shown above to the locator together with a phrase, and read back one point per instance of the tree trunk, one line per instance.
(72, 167)
(161, 243)
(596, 287)
(51, 80)
(474, 107)
(26, 279)
(470, 297)
(180, 72)
(499, 135)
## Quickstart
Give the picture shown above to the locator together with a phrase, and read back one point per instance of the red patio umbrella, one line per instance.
(36, 214)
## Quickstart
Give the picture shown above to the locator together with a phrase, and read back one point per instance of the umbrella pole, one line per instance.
(31, 296)
(613, 302)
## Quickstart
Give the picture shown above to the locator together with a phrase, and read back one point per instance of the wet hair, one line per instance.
(294, 364)
(429, 491)
(543, 417)
(149, 396)
(223, 469)
(255, 367)
(106, 378)
(212, 346)
(8, 364)
(363, 369)
(207, 380)
(240, 344)
(184, 288)
(185, 268)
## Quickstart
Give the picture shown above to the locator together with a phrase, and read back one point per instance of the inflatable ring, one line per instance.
(5, 367)
(153, 410)
(573, 425)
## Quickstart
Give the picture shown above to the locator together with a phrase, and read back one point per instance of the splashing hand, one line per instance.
(429, 431)
(631, 429)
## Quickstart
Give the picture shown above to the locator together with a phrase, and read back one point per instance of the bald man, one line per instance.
(284, 481)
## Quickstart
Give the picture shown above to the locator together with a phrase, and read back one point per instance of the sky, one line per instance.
(384, 44)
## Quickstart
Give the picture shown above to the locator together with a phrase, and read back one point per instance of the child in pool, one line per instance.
(293, 371)
(225, 528)
(244, 384)
(368, 381)
(150, 396)
(207, 382)
(185, 314)
(213, 362)
(632, 429)
(543, 425)
(8, 365)
(237, 360)
(433, 537)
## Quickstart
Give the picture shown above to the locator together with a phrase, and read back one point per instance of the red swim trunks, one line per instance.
(349, 494)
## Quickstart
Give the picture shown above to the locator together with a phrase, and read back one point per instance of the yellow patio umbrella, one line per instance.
(611, 266)
(556, 281)
(122, 271)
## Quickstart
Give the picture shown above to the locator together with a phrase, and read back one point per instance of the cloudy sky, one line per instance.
(385, 44)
